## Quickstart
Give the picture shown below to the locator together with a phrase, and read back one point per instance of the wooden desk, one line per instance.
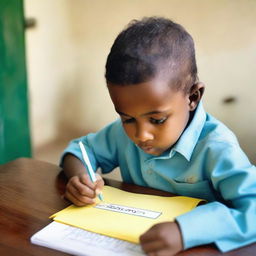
(30, 191)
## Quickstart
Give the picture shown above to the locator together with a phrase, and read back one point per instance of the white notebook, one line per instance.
(78, 241)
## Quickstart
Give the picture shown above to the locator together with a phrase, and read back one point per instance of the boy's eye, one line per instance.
(158, 121)
(152, 120)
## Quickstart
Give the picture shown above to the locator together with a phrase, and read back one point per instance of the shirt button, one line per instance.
(191, 179)
(149, 171)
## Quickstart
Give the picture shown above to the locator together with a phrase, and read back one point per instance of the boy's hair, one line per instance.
(148, 46)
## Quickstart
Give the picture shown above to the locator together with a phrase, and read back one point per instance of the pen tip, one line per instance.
(101, 197)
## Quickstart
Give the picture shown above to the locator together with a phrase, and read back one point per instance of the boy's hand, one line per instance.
(163, 239)
(80, 190)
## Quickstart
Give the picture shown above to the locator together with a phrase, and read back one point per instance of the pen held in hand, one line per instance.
(89, 166)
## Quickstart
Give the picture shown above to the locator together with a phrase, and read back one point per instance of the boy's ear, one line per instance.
(195, 95)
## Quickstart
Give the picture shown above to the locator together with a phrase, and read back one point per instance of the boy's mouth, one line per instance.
(149, 149)
(146, 148)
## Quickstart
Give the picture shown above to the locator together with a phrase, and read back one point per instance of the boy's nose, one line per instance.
(143, 134)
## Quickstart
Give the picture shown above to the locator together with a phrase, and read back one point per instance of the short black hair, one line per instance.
(148, 45)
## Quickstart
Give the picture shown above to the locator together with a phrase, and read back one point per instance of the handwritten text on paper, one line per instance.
(129, 210)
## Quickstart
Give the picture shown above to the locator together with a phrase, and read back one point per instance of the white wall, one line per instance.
(52, 69)
(68, 50)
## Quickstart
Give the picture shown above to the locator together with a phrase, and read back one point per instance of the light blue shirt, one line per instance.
(206, 162)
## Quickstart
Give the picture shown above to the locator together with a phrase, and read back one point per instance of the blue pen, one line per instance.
(89, 166)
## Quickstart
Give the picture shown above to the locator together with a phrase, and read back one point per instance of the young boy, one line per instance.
(165, 140)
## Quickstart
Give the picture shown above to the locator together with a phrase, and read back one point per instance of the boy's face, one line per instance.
(153, 115)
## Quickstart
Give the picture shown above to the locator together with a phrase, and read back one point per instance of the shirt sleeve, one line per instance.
(101, 148)
(230, 223)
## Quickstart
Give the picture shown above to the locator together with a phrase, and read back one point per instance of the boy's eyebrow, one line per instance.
(154, 112)
(145, 114)
(121, 113)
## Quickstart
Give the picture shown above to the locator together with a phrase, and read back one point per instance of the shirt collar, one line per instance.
(188, 140)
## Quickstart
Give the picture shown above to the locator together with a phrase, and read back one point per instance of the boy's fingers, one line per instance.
(85, 179)
(84, 190)
(97, 192)
(99, 181)
(85, 186)
(78, 189)
(78, 199)
(73, 199)
(98, 177)
(162, 252)
(149, 235)
(99, 184)
(152, 246)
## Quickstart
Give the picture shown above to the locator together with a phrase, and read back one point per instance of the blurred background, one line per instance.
(69, 40)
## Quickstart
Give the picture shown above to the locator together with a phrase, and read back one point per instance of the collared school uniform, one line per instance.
(206, 162)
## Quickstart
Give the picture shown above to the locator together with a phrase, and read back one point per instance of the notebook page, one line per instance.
(77, 241)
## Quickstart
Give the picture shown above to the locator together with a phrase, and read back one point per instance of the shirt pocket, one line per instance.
(200, 189)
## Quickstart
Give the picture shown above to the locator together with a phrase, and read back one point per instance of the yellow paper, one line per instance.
(122, 225)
